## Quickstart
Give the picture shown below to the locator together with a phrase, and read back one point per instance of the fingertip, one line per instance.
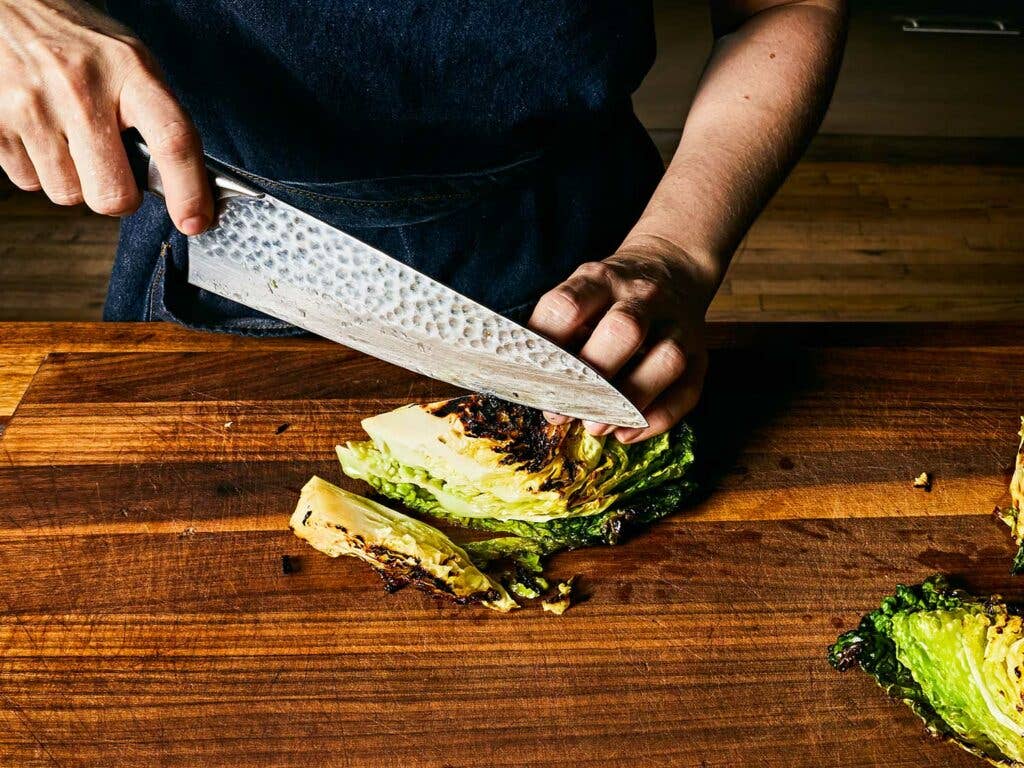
(194, 225)
(597, 429)
(556, 419)
(628, 435)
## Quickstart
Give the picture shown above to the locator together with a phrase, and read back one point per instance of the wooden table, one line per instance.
(147, 475)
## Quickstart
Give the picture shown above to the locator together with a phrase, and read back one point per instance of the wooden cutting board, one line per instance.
(146, 478)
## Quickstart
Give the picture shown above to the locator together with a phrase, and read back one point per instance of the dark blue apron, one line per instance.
(488, 143)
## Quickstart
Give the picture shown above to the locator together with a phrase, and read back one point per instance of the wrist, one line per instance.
(699, 277)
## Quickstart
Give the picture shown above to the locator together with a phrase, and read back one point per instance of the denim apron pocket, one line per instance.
(436, 224)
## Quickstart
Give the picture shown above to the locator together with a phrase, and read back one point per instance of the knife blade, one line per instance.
(273, 257)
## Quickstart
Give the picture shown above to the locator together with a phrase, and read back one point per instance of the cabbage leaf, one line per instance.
(954, 659)
(401, 549)
(525, 476)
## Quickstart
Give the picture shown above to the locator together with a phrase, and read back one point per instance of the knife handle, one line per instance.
(147, 175)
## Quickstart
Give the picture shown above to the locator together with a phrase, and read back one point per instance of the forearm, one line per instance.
(762, 96)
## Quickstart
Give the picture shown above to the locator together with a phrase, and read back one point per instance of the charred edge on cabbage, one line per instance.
(398, 570)
(525, 436)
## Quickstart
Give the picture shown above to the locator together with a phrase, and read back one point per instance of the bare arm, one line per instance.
(762, 96)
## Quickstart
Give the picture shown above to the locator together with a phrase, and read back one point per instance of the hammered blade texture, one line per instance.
(273, 257)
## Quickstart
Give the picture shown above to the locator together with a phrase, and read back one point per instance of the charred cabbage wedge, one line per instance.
(956, 660)
(484, 463)
(1011, 516)
(403, 550)
(479, 462)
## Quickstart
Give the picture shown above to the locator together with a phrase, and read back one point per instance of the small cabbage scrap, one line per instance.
(402, 550)
(955, 660)
(559, 602)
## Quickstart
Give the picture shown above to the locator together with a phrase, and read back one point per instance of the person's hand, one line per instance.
(638, 319)
(71, 80)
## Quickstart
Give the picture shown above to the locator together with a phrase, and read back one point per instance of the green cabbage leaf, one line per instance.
(516, 562)
(609, 527)
(954, 659)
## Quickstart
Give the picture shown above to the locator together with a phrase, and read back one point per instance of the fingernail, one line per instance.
(193, 225)
(627, 435)
(597, 429)
(556, 418)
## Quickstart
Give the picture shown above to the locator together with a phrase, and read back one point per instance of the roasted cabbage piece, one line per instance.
(1011, 515)
(486, 463)
(560, 601)
(403, 550)
(516, 562)
(956, 660)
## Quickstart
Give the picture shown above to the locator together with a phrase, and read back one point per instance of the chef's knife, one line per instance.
(275, 258)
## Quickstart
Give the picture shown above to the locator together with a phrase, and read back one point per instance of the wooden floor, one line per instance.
(841, 241)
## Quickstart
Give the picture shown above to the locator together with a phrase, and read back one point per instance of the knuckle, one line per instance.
(645, 289)
(76, 69)
(23, 178)
(563, 305)
(675, 406)
(667, 414)
(64, 64)
(625, 327)
(176, 141)
(671, 358)
(661, 420)
(187, 204)
(65, 196)
(128, 53)
(595, 270)
(114, 202)
(23, 106)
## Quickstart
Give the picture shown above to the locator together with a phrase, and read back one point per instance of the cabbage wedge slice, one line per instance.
(402, 550)
(478, 458)
(954, 659)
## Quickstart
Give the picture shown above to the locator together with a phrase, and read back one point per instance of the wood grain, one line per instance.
(145, 618)
(18, 369)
